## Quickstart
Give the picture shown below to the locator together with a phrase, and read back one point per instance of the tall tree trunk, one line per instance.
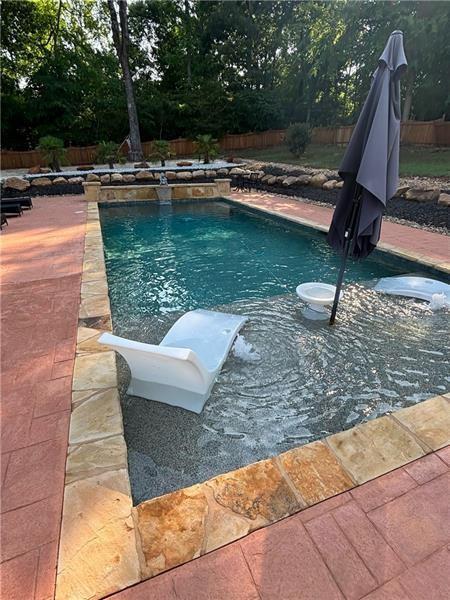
(121, 43)
(408, 96)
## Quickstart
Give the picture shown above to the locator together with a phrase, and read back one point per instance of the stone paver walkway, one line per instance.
(388, 539)
(42, 255)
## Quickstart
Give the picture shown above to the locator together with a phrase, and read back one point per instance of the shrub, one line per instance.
(298, 137)
(108, 152)
(53, 151)
(161, 149)
(207, 147)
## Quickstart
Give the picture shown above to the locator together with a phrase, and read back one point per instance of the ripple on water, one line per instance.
(305, 380)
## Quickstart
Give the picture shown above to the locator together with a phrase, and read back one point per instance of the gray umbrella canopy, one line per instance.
(370, 164)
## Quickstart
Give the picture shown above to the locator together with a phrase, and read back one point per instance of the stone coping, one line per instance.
(107, 545)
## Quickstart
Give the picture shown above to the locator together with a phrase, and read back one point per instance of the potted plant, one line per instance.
(161, 149)
(108, 152)
(207, 147)
(53, 151)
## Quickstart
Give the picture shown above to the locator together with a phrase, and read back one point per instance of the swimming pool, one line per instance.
(289, 381)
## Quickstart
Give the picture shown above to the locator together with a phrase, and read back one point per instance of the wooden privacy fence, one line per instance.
(431, 133)
(412, 132)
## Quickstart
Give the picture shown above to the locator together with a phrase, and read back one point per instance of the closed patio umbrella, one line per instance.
(370, 164)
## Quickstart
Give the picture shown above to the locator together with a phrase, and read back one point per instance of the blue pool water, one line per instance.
(288, 380)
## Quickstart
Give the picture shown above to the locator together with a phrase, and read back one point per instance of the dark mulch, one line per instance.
(426, 214)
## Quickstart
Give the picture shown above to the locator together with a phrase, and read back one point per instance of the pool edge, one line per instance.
(222, 509)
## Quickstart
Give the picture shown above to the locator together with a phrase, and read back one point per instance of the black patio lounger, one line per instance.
(4, 221)
(25, 201)
(11, 207)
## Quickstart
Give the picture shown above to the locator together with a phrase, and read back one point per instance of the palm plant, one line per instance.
(161, 149)
(207, 147)
(53, 152)
(107, 152)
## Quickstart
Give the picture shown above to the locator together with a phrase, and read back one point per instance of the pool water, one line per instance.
(288, 380)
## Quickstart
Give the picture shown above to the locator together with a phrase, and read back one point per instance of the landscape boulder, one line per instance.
(402, 190)
(272, 181)
(129, 178)
(117, 177)
(237, 171)
(289, 181)
(75, 180)
(210, 173)
(92, 177)
(318, 180)
(222, 171)
(59, 181)
(41, 181)
(184, 163)
(144, 175)
(171, 175)
(423, 194)
(303, 179)
(329, 185)
(141, 165)
(185, 175)
(34, 170)
(105, 178)
(339, 185)
(198, 174)
(45, 170)
(85, 168)
(16, 183)
(444, 199)
(266, 178)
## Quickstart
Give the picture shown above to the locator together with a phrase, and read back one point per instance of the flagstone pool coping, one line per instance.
(107, 544)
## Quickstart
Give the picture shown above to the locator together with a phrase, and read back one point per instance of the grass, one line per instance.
(420, 161)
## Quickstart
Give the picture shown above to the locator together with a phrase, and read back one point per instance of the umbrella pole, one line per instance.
(349, 237)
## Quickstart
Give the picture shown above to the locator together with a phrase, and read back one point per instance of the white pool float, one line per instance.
(411, 286)
(182, 370)
(318, 297)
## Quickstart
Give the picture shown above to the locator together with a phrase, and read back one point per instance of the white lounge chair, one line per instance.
(181, 371)
(412, 286)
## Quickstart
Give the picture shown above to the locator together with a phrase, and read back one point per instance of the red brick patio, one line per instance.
(387, 540)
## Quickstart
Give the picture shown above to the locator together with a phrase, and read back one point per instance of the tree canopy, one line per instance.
(210, 67)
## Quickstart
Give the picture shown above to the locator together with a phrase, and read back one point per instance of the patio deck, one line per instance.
(385, 539)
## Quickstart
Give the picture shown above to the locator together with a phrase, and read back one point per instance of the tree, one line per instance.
(121, 42)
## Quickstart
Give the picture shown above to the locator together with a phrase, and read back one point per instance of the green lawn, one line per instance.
(414, 160)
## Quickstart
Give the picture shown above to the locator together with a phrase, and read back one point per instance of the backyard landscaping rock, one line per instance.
(85, 168)
(223, 172)
(129, 178)
(330, 185)
(288, 181)
(92, 177)
(17, 183)
(105, 178)
(75, 180)
(237, 171)
(171, 175)
(141, 165)
(184, 175)
(402, 190)
(339, 185)
(45, 170)
(318, 180)
(211, 173)
(116, 177)
(34, 170)
(198, 174)
(422, 195)
(59, 180)
(444, 199)
(266, 178)
(304, 179)
(144, 175)
(272, 181)
(41, 181)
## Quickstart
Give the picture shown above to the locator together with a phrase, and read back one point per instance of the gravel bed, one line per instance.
(424, 215)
